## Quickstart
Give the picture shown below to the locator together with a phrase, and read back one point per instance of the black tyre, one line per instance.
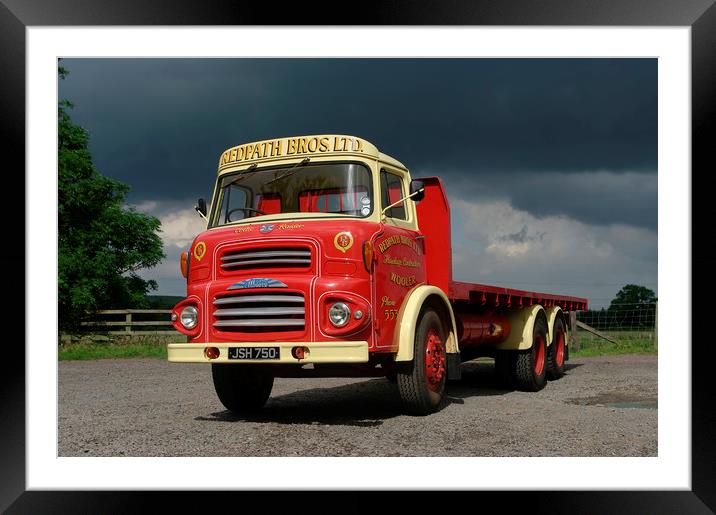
(242, 389)
(421, 383)
(531, 364)
(557, 351)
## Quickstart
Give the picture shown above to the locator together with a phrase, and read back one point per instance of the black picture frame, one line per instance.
(700, 16)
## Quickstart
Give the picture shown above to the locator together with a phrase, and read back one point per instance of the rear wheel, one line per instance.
(531, 364)
(557, 351)
(242, 389)
(421, 382)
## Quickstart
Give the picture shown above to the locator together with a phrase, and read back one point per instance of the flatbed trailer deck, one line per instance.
(496, 296)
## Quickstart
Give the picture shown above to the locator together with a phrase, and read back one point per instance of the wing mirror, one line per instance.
(201, 207)
(417, 190)
(417, 193)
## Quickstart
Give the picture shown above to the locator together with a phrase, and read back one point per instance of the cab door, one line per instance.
(398, 255)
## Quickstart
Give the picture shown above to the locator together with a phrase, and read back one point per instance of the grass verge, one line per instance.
(103, 351)
(133, 347)
(607, 348)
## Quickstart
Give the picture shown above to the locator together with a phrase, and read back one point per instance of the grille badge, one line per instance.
(258, 282)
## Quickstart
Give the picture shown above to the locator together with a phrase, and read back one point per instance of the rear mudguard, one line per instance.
(522, 323)
(552, 314)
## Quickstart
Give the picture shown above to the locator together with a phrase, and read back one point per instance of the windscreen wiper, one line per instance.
(246, 173)
(290, 171)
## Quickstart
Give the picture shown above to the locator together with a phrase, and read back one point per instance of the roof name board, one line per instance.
(286, 147)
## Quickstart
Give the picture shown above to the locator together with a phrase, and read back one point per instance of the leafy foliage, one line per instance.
(101, 244)
(639, 296)
(633, 308)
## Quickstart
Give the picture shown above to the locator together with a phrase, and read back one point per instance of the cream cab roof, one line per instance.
(301, 146)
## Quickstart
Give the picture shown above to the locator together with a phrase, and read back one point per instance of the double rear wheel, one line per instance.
(526, 370)
(557, 351)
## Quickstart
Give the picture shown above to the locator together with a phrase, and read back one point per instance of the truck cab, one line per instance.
(313, 263)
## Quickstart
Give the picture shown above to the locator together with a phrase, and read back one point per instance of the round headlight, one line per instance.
(189, 317)
(339, 314)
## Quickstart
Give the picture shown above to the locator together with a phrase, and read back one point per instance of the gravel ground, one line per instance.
(604, 406)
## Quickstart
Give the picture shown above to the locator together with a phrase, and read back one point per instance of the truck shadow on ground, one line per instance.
(363, 404)
(480, 378)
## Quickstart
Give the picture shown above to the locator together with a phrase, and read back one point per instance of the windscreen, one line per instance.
(339, 188)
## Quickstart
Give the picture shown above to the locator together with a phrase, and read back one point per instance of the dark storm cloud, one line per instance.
(600, 198)
(160, 125)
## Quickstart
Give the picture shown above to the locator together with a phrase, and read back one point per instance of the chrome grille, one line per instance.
(284, 257)
(260, 312)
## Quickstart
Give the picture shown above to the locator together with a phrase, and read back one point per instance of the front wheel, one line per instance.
(242, 389)
(421, 383)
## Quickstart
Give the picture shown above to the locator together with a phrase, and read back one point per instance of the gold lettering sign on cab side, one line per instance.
(401, 280)
(386, 301)
(389, 260)
(398, 240)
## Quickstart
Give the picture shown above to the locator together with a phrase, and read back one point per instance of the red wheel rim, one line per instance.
(538, 354)
(434, 360)
(560, 349)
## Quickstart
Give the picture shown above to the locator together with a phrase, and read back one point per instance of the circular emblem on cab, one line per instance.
(343, 241)
(266, 228)
(199, 250)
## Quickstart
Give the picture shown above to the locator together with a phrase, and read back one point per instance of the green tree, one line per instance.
(101, 244)
(632, 294)
(634, 307)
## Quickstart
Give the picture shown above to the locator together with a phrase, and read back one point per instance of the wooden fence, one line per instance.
(131, 322)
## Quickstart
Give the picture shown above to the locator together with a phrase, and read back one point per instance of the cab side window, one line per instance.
(391, 188)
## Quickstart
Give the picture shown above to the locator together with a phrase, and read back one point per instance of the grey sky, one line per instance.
(558, 142)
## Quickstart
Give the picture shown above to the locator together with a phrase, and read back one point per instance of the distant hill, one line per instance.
(162, 301)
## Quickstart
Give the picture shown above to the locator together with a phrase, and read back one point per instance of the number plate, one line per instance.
(254, 353)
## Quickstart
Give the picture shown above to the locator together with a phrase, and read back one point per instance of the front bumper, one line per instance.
(318, 352)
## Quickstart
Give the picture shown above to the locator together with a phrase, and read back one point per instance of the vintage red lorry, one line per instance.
(323, 258)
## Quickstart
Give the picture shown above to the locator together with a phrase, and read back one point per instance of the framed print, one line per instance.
(39, 474)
